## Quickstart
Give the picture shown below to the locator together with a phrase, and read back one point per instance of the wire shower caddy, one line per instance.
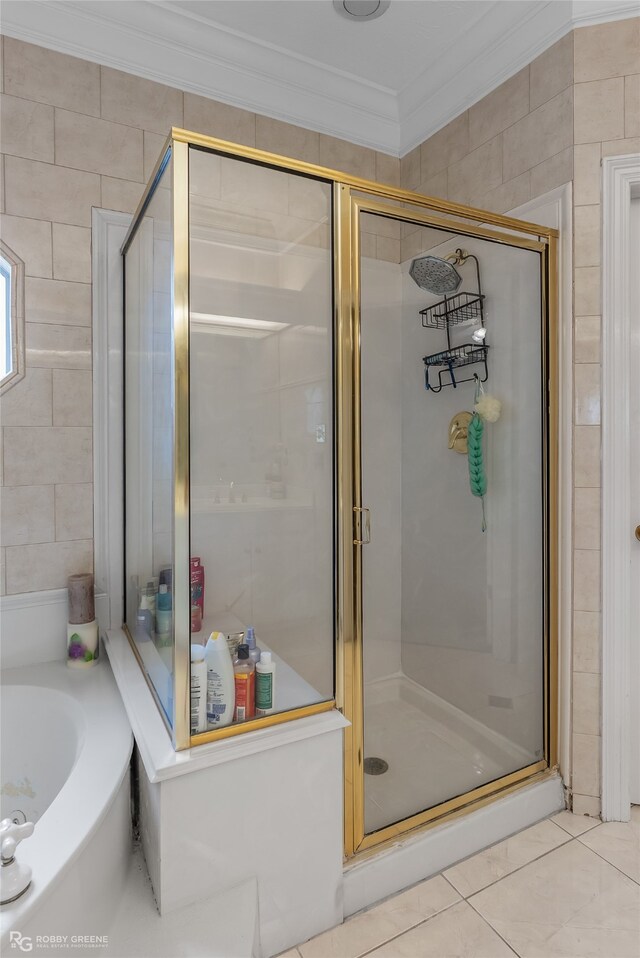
(452, 310)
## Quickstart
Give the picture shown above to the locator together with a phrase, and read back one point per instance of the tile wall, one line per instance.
(76, 135)
(551, 124)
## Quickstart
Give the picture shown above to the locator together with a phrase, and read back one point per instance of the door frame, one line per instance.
(545, 241)
(555, 208)
(620, 182)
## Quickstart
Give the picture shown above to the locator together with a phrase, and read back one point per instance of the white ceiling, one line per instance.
(387, 84)
(390, 52)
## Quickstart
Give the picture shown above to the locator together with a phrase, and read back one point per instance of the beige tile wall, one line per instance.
(606, 122)
(548, 125)
(515, 143)
(76, 135)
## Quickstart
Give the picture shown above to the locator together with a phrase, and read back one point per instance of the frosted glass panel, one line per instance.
(149, 443)
(453, 616)
(262, 415)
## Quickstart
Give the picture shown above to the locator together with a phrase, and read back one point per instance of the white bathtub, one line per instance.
(66, 748)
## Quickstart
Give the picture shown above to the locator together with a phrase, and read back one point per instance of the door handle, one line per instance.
(359, 513)
(638, 533)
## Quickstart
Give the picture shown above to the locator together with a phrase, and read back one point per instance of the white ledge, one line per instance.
(160, 760)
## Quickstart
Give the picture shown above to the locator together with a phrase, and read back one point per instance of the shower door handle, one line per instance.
(360, 513)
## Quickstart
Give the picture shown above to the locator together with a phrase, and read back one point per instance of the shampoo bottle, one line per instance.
(197, 593)
(163, 616)
(151, 593)
(220, 682)
(265, 684)
(245, 681)
(198, 690)
(145, 615)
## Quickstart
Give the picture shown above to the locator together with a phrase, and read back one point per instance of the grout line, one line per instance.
(634, 880)
(30, 322)
(58, 279)
(494, 930)
(450, 883)
(423, 921)
(586, 673)
(515, 870)
(75, 169)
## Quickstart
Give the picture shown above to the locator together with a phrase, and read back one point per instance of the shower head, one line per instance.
(438, 275)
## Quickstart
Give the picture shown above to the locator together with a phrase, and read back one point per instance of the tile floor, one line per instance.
(568, 887)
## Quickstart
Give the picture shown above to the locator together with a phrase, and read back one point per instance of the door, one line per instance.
(451, 653)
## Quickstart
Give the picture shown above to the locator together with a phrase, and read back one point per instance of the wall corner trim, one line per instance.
(108, 230)
(620, 180)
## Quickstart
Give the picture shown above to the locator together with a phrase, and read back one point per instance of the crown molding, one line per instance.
(586, 13)
(161, 42)
(528, 30)
(531, 28)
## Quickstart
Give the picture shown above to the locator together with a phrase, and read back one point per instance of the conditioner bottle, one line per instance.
(265, 684)
(198, 689)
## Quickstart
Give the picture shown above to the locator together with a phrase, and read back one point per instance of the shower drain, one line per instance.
(375, 766)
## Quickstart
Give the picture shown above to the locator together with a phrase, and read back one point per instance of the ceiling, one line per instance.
(391, 52)
(387, 84)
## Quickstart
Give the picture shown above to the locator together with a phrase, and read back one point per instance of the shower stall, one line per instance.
(304, 352)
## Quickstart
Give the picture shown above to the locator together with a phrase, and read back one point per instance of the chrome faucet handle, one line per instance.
(11, 834)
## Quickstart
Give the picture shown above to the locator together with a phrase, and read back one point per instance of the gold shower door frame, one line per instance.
(351, 197)
(542, 240)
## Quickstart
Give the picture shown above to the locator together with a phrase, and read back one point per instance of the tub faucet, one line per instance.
(14, 877)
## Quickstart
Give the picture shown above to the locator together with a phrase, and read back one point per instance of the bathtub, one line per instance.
(66, 749)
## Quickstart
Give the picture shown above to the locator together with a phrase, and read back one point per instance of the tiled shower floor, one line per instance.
(434, 751)
(568, 887)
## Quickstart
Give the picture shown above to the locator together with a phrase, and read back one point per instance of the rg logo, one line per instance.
(23, 942)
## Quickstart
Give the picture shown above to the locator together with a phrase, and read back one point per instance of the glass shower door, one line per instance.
(453, 583)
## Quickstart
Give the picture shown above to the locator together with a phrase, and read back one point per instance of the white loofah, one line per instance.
(488, 408)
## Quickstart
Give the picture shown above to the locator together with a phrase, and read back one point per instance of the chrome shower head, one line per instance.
(438, 275)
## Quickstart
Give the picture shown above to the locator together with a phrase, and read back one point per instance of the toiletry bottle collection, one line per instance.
(155, 606)
(230, 681)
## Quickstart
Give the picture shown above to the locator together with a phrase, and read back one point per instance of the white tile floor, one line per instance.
(568, 887)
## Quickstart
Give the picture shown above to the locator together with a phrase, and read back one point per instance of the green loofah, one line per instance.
(477, 475)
